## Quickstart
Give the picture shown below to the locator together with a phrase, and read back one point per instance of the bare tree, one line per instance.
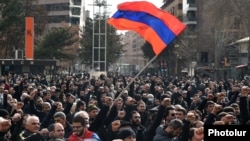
(219, 24)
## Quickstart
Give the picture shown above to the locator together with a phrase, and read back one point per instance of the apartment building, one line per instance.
(174, 7)
(190, 13)
(132, 60)
(64, 12)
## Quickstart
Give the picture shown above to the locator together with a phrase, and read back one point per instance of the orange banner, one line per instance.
(29, 38)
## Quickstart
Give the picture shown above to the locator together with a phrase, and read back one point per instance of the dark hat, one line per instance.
(92, 107)
(124, 123)
(4, 113)
(126, 132)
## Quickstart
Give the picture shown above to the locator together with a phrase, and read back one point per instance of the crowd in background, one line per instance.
(151, 108)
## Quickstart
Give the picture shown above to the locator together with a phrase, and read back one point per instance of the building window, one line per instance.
(57, 7)
(76, 11)
(172, 11)
(134, 46)
(204, 57)
(191, 1)
(58, 19)
(77, 2)
(75, 21)
(180, 6)
(191, 15)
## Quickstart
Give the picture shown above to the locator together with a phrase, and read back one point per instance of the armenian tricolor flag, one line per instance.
(156, 26)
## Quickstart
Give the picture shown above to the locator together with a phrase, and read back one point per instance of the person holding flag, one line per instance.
(156, 26)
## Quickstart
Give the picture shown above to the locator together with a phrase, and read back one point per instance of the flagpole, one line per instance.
(137, 75)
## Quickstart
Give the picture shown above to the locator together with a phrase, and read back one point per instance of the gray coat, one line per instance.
(162, 135)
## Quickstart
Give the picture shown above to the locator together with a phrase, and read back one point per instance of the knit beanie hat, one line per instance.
(91, 107)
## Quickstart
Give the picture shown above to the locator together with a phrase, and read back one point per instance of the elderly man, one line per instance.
(31, 132)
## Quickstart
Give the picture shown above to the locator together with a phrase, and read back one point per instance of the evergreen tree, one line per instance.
(113, 45)
(54, 43)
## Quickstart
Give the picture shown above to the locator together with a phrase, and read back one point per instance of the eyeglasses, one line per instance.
(76, 127)
(35, 123)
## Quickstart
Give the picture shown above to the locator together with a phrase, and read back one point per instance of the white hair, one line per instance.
(31, 117)
(81, 113)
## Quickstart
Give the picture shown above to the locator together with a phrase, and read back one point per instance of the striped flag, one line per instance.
(156, 26)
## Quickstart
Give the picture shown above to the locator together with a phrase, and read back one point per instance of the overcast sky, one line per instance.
(112, 5)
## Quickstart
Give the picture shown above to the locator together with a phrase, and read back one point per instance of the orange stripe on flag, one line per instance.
(29, 38)
(144, 30)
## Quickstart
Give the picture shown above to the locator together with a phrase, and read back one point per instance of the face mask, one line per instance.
(150, 100)
(111, 88)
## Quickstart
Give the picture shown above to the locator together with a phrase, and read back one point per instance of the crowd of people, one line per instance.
(117, 107)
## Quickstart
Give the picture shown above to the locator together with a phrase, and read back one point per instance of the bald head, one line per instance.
(58, 131)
